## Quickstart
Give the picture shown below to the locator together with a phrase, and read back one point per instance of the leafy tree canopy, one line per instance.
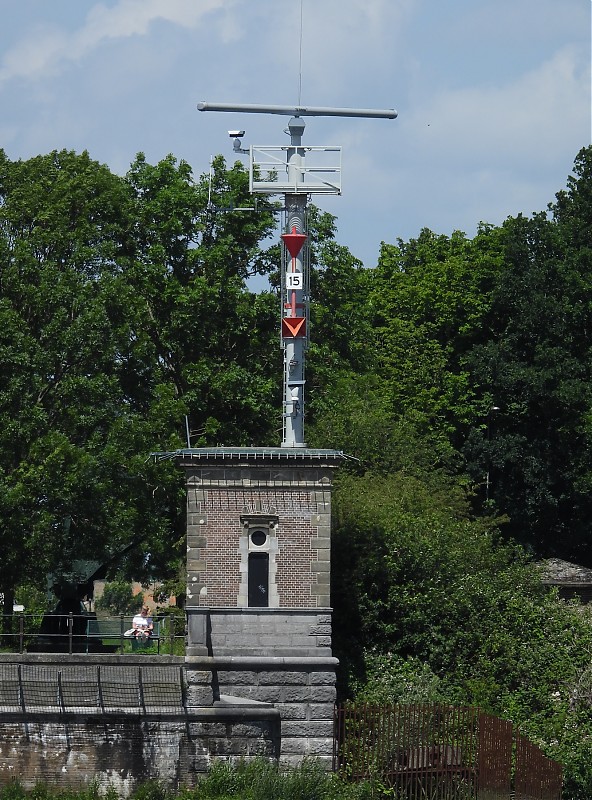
(123, 309)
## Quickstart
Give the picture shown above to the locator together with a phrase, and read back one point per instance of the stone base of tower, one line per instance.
(259, 632)
(258, 589)
(301, 692)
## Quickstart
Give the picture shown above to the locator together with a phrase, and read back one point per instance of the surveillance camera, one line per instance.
(232, 134)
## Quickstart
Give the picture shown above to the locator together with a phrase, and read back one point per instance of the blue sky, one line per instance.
(493, 95)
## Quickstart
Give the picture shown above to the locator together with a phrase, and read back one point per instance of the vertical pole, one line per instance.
(141, 699)
(61, 701)
(100, 689)
(295, 300)
(21, 688)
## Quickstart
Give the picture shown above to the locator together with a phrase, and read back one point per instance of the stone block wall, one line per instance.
(302, 692)
(122, 750)
(222, 632)
(120, 720)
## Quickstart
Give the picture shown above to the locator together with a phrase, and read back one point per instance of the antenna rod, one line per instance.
(300, 111)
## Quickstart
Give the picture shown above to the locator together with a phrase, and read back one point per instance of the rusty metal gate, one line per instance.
(537, 777)
(494, 765)
(439, 752)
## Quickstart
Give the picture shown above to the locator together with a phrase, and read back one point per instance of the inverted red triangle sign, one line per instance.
(294, 241)
(293, 327)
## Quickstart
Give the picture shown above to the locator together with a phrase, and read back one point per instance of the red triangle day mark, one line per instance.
(293, 327)
(294, 241)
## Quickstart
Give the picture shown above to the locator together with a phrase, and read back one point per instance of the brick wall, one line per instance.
(297, 500)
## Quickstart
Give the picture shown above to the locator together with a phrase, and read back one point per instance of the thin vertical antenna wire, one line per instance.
(300, 65)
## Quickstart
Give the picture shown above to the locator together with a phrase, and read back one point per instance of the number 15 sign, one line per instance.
(294, 280)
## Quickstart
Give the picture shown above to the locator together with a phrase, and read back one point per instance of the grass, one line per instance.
(259, 779)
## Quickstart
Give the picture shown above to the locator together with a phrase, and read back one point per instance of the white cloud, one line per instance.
(33, 55)
(45, 49)
(531, 118)
(134, 17)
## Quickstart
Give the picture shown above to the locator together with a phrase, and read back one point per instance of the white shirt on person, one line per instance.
(141, 622)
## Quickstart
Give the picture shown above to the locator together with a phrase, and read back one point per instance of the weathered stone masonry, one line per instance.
(119, 720)
(233, 492)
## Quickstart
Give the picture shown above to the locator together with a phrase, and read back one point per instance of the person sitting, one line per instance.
(142, 625)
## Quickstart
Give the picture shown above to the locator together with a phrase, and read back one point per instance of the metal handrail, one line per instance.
(22, 632)
(91, 687)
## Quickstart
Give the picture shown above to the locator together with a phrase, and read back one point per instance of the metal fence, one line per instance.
(438, 752)
(89, 688)
(494, 764)
(537, 777)
(86, 633)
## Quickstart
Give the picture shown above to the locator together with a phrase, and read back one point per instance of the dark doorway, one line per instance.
(259, 580)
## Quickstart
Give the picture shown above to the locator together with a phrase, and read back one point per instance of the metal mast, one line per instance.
(284, 170)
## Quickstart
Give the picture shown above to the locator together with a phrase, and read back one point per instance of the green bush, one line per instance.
(152, 790)
(261, 779)
(13, 791)
(42, 791)
(118, 598)
(222, 780)
(32, 598)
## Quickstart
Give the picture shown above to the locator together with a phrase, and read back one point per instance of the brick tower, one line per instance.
(258, 587)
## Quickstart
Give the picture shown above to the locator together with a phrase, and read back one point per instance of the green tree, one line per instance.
(124, 308)
(399, 392)
(63, 340)
(433, 605)
(430, 296)
(534, 365)
(212, 340)
(117, 598)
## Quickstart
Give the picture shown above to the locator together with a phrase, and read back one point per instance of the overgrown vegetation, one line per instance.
(258, 779)
(118, 598)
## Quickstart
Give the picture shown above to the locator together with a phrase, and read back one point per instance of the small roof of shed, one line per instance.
(557, 572)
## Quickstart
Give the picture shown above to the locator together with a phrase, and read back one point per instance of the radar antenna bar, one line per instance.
(300, 111)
